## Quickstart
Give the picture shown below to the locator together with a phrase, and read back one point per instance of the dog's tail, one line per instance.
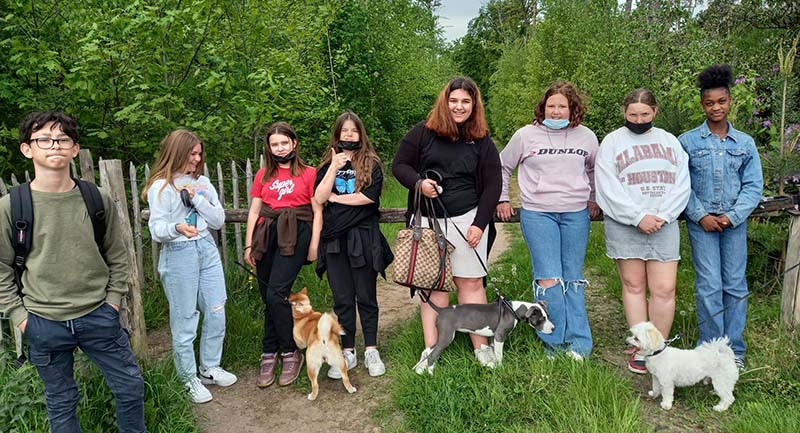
(328, 327)
(722, 348)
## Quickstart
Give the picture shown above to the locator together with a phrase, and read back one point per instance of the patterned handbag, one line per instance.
(422, 254)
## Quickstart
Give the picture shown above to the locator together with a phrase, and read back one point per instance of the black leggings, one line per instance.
(279, 273)
(353, 287)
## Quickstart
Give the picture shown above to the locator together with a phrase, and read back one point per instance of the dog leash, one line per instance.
(503, 301)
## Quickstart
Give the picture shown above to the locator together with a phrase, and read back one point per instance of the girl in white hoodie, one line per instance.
(642, 180)
(184, 208)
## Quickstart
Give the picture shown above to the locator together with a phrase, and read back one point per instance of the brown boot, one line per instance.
(291, 367)
(267, 374)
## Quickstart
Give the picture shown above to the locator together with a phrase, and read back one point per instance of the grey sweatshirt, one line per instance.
(641, 174)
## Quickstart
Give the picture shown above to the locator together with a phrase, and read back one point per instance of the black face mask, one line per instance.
(349, 145)
(284, 159)
(638, 128)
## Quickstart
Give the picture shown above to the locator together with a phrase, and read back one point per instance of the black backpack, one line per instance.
(22, 221)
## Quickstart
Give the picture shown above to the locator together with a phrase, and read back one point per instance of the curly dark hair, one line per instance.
(715, 77)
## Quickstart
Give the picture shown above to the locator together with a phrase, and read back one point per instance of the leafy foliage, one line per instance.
(133, 70)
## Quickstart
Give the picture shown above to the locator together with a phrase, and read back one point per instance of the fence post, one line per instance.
(136, 223)
(790, 295)
(222, 232)
(248, 174)
(154, 246)
(112, 180)
(237, 227)
(87, 165)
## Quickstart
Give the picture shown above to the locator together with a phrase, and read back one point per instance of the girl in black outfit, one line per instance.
(352, 247)
(454, 143)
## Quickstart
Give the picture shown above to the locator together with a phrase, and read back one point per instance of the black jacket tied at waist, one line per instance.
(362, 243)
(287, 228)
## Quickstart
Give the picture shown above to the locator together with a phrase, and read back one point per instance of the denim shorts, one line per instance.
(627, 242)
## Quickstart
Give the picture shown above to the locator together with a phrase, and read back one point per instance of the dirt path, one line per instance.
(243, 408)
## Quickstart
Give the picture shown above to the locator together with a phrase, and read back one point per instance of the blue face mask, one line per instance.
(556, 123)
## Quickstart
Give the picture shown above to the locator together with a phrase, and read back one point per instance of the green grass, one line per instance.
(772, 382)
(23, 409)
(528, 393)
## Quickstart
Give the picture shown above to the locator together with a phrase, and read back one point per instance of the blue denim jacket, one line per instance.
(726, 174)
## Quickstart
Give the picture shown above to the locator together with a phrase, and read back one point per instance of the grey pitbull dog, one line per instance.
(495, 320)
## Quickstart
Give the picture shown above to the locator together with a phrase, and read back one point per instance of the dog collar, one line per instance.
(666, 344)
(657, 352)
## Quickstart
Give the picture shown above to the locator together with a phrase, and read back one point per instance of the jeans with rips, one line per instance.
(557, 245)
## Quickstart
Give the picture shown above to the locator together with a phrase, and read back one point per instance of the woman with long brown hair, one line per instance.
(283, 227)
(184, 207)
(451, 156)
(352, 247)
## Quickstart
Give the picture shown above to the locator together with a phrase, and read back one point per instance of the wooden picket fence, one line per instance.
(134, 218)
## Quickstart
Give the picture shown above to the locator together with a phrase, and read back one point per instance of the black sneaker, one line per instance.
(739, 363)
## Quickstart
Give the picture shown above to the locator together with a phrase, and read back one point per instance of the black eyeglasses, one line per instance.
(48, 143)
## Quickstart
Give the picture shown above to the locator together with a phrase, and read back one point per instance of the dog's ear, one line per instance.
(655, 337)
(543, 303)
(528, 312)
(304, 291)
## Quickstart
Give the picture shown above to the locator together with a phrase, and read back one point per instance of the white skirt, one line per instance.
(464, 260)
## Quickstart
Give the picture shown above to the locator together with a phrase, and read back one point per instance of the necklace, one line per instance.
(566, 131)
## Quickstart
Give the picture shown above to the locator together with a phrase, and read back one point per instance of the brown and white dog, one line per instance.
(318, 333)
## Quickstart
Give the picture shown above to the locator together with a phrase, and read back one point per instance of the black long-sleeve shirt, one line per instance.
(470, 170)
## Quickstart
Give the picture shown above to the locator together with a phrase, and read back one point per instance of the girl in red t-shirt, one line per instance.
(283, 228)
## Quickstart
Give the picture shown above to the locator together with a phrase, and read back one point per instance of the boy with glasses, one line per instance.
(71, 291)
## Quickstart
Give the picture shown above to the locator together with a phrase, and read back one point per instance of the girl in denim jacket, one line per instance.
(725, 170)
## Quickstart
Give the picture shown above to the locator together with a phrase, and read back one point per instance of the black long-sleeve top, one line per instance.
(471, 171)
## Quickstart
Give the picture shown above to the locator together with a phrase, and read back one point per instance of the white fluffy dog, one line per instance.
(673, 367)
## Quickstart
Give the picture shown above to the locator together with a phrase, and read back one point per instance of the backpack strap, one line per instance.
(21, 228)
(96, 210)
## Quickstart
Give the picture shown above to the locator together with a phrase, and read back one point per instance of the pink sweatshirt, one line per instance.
(556, 167)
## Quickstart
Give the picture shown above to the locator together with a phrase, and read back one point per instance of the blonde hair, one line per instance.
(173, 157)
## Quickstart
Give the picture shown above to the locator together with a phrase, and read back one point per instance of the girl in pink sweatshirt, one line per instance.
(555, 156)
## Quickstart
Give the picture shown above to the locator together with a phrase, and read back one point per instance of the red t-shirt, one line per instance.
(285, 190)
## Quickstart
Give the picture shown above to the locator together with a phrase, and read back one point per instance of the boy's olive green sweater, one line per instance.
(66, 276)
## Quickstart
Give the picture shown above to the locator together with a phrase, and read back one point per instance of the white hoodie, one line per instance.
(167, 209)
(641, 174)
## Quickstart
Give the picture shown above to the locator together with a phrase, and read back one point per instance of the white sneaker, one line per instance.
(217, 376)
(575, 355)
(198, 393)
(349, 358)
(372, 360)
(422, 366)
(485, 355)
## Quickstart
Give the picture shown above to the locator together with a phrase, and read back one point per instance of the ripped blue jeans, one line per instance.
(191, 272)
(557, 245)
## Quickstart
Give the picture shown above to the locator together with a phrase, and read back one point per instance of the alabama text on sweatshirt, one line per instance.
(641, 174)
